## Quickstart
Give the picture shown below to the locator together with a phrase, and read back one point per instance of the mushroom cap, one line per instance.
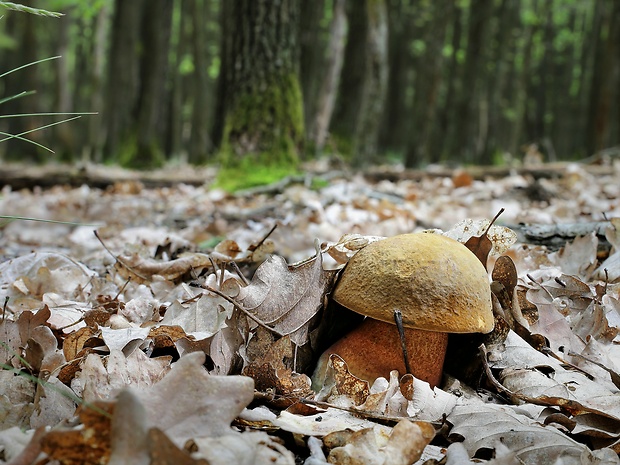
(437, 283)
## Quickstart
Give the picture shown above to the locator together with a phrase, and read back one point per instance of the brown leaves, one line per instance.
(287, 298)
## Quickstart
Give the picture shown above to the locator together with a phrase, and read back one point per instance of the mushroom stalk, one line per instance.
(373, 349)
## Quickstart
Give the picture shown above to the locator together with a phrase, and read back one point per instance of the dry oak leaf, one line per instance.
(286, 298)
(38, 273)
(103, 377)
(270, 371)
(480, 426)
(609, 270)
(201, 318)
(501, 237)
(189, 402)
(87, 445)
(369, 447)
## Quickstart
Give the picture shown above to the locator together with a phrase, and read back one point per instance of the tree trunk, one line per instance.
(327, 94)
(226, 38)
(312, 49)
(264, 106)
(21, 27)
(519, 94)
(427, 83)
(123, 75)
(463, 142)
(348, 100)
(444, 132)
(398, 108)
(180, 39)
(94, 148)
(202, 86)
(375, 85)
(601, 90)
(65, 138)
(156, 28)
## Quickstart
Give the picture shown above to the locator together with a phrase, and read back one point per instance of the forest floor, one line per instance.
(116, 294)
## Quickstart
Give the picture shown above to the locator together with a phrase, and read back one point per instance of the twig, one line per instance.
(398, 318)
(253, 247)
(363, 413)
(244, 311)
(118, 259)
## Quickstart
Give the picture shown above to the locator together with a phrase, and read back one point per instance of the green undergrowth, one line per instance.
(246, 176)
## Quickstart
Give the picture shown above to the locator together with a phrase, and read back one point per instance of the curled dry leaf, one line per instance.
(348, 245)
(286, 298)
(142, 270)
(340, 383)
(271, 370)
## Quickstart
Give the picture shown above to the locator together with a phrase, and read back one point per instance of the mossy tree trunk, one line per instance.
(264, 106)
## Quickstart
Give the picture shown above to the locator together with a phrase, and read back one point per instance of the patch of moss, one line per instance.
(251, 173)
(266, 123)
(145, 157)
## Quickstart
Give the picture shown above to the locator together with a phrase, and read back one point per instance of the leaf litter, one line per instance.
(186, 328)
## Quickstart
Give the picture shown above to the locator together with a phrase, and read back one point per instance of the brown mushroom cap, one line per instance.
(437, 283)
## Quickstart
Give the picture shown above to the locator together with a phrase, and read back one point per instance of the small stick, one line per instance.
(253, 247)
(398, 318)
(244, 311)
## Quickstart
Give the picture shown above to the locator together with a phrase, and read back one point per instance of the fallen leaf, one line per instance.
(368, 446)
(189, 403)
(287, 298)
(87, 445)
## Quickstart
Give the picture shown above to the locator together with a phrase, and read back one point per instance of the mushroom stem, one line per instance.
(374, 348)
(398, 319)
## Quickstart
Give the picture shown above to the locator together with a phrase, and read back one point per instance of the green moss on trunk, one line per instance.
(265, 124)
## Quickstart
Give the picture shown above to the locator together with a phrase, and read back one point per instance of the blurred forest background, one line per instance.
(278, 81)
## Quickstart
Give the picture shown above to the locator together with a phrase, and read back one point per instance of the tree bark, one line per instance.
(375, 85)
(463, 141)
(427, 83)
(348, 100)
(602, 87)
(264, 105)
(444, 131)
(398, 106)
(21, 27)
(312, 48)
(152, 103)
(123, 75)
(200, 144)
(96, 73)
(327, 94)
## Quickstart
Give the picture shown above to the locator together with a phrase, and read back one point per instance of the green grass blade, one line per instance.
(21, 94)
(28, 64)
(27, 218)
(47, 114)
(13, 136)
(33, 11)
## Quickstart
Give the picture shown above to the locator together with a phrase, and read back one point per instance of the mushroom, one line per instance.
(438, 286)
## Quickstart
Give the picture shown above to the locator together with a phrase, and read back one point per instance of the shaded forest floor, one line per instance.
(178, 203)
(121, 296)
